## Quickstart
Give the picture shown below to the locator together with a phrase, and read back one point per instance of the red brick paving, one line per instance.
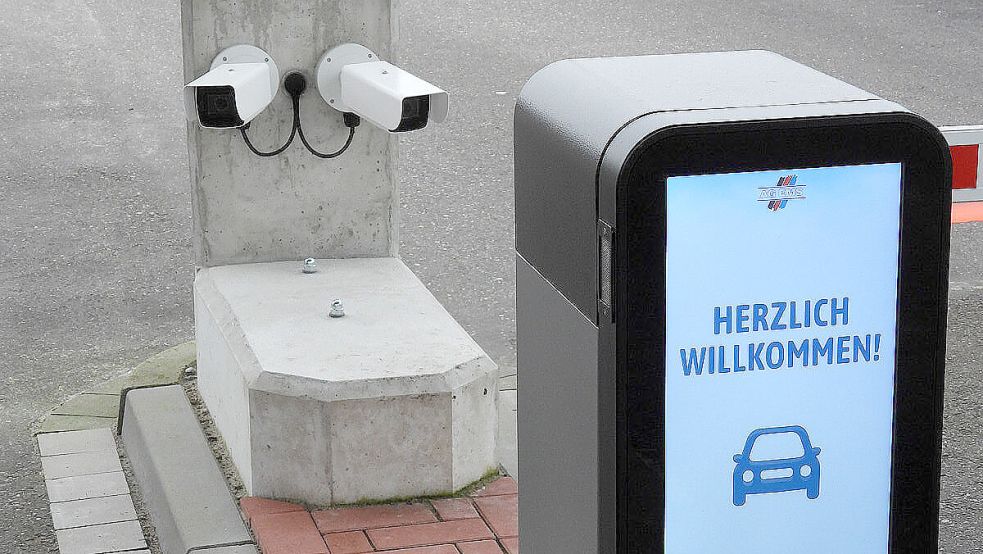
(440, 549)
(253, 506)
(485, 523)
(480, 547)
(501, 513)
(426, 534)
(450, 509)
(288, 533)
(350, 542)
(505, 485)
(370, 517)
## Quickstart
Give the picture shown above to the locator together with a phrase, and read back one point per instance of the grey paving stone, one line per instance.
(92, 511)
(82, 463)
(101, 539)
(510, 382)
(86, 486)
(179, 478)
(55, 423)
(241, 549)
(163, 369)
(73, 442)
(507, 447)
(89, 404)
(507, 371)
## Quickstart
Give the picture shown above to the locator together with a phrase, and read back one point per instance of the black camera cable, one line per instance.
(351, 121)
(295, 84)
(295, 97)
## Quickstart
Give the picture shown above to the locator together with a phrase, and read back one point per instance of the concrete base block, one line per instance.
(393, 400)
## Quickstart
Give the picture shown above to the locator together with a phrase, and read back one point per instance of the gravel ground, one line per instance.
(215, 440)
(149, 532)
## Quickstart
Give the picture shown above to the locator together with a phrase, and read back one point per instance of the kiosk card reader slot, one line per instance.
(731, 306)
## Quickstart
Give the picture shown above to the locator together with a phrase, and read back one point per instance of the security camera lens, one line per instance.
(416, 112)
(217, 107)
(411, 107)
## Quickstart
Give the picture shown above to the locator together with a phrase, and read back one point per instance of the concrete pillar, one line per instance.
(394, 399)
(289, 207)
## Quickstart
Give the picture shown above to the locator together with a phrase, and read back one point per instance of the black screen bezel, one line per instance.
(922, 294)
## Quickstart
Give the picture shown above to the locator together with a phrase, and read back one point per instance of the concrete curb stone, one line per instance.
(182, 485)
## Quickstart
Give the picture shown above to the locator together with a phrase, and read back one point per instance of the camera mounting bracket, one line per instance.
(247, 53)
(329, 71)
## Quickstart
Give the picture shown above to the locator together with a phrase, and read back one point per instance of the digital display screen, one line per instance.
(781, 316)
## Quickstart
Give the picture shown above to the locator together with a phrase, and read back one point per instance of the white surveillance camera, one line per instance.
(351, 78)
(242, 82)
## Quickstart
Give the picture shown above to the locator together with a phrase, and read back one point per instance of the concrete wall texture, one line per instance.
(292, 206)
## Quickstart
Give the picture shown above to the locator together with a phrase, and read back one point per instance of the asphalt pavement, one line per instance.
(95, 219)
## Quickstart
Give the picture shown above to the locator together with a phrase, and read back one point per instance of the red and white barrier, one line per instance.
(965, 143)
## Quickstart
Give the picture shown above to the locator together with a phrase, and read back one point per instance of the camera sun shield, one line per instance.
(390, 97)
(352, 79)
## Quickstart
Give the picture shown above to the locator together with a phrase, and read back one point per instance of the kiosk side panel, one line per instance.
(558, 444)
(555, 192)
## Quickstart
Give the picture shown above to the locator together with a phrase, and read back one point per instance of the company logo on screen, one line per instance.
(778, 196)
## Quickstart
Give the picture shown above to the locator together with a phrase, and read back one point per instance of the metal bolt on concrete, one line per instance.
(91, 507)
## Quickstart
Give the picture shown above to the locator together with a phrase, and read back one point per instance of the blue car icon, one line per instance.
(776, 459)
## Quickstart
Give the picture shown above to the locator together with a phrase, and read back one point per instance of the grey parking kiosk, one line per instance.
(731, 307)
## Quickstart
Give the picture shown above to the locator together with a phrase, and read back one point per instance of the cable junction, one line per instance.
(296, 84)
